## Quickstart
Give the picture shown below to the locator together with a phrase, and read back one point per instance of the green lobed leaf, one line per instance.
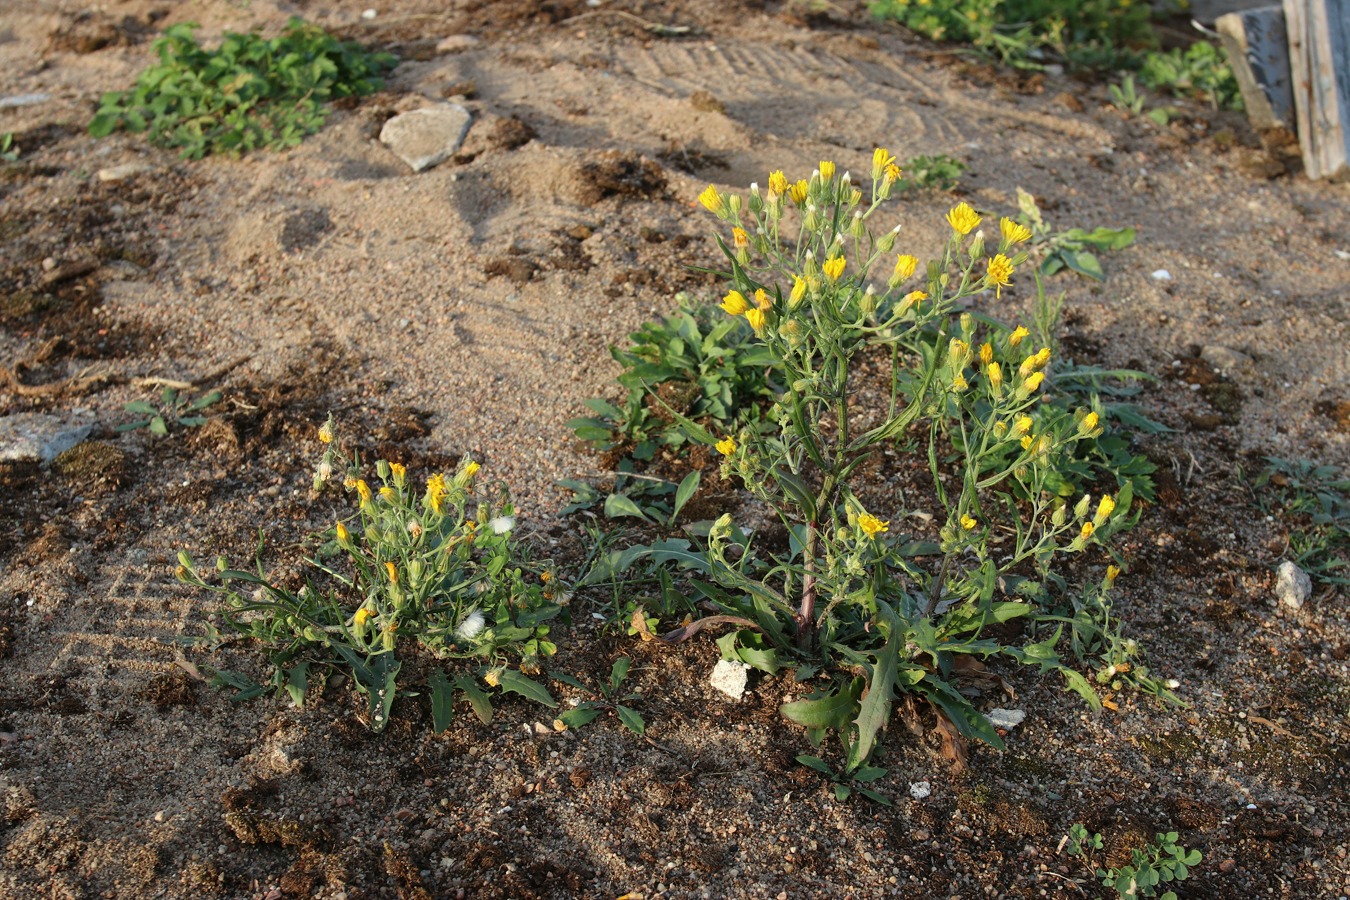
(516, 683)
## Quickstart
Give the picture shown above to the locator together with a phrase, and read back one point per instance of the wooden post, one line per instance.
(1319, 60)
(1258, 51)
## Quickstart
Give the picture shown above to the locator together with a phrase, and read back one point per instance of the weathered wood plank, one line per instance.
(1258, 51)
(1319, 59)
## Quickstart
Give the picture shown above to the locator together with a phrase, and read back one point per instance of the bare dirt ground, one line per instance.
(467, 310)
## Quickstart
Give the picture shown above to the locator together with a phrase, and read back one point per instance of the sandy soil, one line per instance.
(468, 310)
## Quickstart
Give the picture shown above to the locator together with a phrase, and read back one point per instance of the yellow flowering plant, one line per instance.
(433, 571)
(855, 589)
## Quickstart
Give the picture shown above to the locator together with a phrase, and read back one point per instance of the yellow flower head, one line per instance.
(1034, 381)
(1105, 507)
(713, 201)
(1016, 337)
(363, 615)
(1027, 441)
(739, 237)
(1000, 273)
(959, 382)
(826, 170)
(1112, 573)
(912, 298)
(968, 523)
(436, 491)
(963, 219)
(1090, 421)
(905, 266)
(393, 572)
(778, 183)
(957, 349)
(763, 300)
(734, 303)
(881, 158)
(986, 353)
(872, 526)
(363, 491)
(400, 473)
(1013, 233)
(799, 191)
(342, 534)
(891, 174)
(349, 482)
(326, 432)
(388, 493)
(995, 372)
(1022, 425)
(726, 446)
(1034, 362)
(798, 291)
(471, 469)
(491, 678)
(1087, 531)
(833, 268)
(756, 319)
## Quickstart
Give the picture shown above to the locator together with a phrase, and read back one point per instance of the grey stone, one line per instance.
(1226, 359)
(23, 100)
(1293, 587)
(40, 438)
(1162, 275)
(424, 137)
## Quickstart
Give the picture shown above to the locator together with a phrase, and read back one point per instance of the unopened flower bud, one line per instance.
(734, 201)
(868, 303)
(886, 242)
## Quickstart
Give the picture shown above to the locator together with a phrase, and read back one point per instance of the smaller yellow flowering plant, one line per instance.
(431, 570)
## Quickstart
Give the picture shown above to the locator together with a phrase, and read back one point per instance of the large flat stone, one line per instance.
(424, 137)
(35, 437)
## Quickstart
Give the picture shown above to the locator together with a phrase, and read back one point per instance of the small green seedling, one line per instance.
(1070, 249)
(175, 407)
(609, 698)
(846, 782)
(9, 152)
(1161, 861)
(930, 173)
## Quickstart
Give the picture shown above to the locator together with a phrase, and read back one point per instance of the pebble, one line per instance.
(427, 136)
(1293, 587)
(1226, 359)
(1162, 275)
(456, 43)
(123, 172)
(920, 790)
(729, 677)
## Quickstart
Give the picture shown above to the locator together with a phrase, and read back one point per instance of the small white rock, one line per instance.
(369, 14)
(1006, 718)
(1342, 254)
(123, 172)
(1293, 587)
(920, 790)
(729, 677)
(1162, 275)
(456, 43)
